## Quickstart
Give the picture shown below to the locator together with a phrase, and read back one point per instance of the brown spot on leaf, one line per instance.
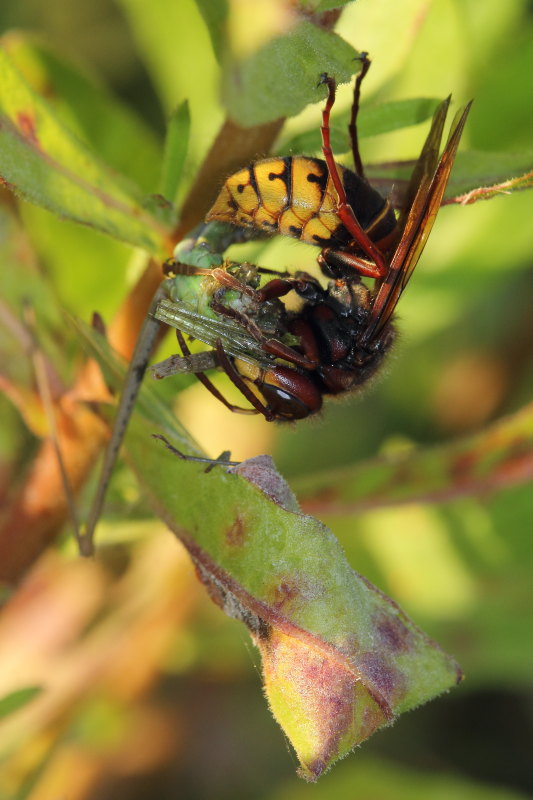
(284, 593)
(394, 635)
(289, 593)
(236, 533)
(389, 681)
(26, 125)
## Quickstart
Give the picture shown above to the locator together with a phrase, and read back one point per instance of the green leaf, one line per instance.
(316, 6)
(326, 5)
(397, 114)
(499, 456)
(340, 660)
(309, 142)
(257, 90)
(372, 121)
(475, 175)
(87, 109)
(214, 13)
(46, 165)
(18, 699)
(176, 144)
(481, 175)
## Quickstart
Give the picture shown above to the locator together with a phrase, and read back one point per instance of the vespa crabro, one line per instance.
(341, 333)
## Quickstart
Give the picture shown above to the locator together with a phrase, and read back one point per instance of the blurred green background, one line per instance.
(151, 691)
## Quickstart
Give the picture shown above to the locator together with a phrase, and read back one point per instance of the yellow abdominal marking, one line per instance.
(272, 186)
(294, 205)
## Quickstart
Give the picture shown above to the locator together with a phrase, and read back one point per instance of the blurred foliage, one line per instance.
(146, 689)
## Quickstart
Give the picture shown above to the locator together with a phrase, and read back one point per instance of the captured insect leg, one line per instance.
(237, 380)
(279, 273)
(222, 460)
(277, 287)
(177, 365)
(220, 274)
(209, 385)
(272, 346)
(272, 290)
(352, 127)
(132, 384)
(172, 267)
(376, 268)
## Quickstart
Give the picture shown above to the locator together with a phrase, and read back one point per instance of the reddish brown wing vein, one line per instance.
(420, 219)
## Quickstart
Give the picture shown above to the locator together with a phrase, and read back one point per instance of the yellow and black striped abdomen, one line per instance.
(295, 196)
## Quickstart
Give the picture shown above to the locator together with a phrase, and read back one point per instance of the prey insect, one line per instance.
(283, 361)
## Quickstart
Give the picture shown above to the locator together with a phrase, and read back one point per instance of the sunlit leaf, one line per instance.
(475, 176)
(486, 192)
(87, 109)
(257, 91)
(46, 165)
(479, 176)
(176, 143)
(372, 121)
